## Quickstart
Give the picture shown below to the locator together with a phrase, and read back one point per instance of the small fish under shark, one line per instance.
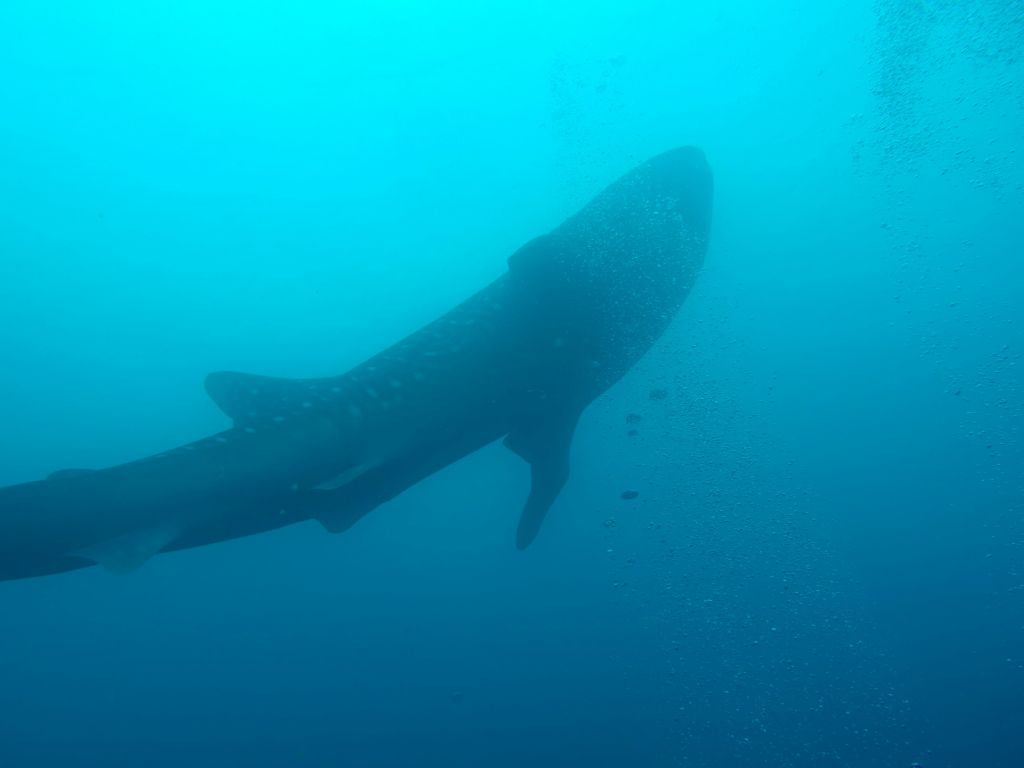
(520, 360)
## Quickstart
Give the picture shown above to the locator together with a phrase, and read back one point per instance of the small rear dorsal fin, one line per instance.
(248, 399)
(64, 474)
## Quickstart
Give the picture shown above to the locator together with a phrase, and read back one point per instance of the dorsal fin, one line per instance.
(247, 398)
(542, 257)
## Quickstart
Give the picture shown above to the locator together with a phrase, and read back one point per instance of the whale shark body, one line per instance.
(520, 360)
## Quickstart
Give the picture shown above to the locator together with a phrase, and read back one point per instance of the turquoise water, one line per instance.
(824, 562)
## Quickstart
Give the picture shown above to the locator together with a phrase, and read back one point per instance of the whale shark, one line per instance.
(518, 361)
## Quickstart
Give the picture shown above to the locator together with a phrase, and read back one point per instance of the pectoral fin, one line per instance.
(545, 445)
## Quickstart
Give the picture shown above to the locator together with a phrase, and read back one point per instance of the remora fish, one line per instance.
(519, 360)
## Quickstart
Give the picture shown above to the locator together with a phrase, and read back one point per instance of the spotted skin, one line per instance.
(520, 360)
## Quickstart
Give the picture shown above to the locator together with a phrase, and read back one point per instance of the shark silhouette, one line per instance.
(520, 360)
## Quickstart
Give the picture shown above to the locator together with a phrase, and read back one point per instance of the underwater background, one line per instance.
(824, 564)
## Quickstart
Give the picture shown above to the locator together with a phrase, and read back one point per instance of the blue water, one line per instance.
(825, 562)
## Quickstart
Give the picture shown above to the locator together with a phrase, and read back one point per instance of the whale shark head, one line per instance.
(654, 220)
(646, 233)
(625, 262)
(681, 179)
(616, 271)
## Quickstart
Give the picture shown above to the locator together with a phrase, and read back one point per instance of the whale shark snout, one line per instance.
(684, 174)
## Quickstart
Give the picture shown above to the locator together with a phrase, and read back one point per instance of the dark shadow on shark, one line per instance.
(519, 360)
